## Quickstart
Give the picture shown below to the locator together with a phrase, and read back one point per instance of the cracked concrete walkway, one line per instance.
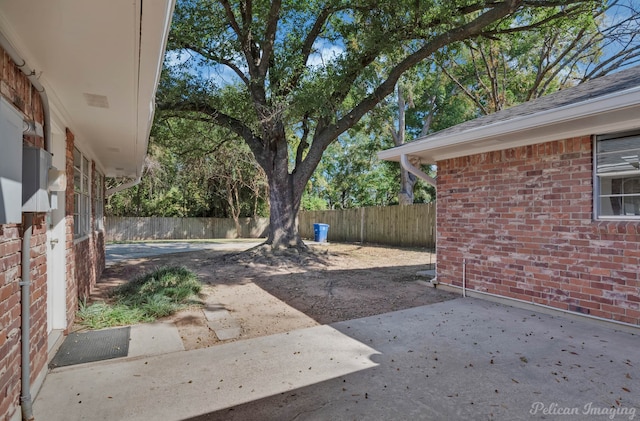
(220, 320)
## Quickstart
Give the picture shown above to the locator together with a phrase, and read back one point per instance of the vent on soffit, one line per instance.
(94, 100)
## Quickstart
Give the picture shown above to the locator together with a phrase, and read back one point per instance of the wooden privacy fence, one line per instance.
(412, 226)
(158, 228)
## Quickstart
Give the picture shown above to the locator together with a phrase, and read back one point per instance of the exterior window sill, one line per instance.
(81, 239)
(618, 226)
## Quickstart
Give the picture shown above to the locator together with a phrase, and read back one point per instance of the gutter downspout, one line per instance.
(124, 186)
(464, 278)
(26, 403)
(404, 162)
(25, 302)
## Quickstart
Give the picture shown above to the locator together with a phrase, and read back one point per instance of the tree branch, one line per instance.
(426, 125)
(399, 135)
(206, 53)
(269, 37)
(255, 143)
(325, 135)
(568, 12)
(243, 33)
(479, 78)
(307, 48)
(232, 19)
(304, 144)
(464, 90)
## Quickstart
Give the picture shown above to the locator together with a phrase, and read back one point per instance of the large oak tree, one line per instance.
(290, 76)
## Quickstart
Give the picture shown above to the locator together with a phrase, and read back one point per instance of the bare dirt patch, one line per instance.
(262, 296)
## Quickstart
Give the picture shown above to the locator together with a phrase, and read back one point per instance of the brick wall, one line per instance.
(16, 88)
(10, 245)
(89, 263)
(522, 218)
(39, 337)
(10, 309)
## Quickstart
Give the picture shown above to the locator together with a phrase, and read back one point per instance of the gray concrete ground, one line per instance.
(459, 359)
(119, 252)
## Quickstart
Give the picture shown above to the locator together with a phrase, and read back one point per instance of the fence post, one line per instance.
(361, 225)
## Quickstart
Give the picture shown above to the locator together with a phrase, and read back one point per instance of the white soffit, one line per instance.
(100, 63)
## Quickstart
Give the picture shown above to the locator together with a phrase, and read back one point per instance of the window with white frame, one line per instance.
(98, 199)
(82, 195)
(617, 176)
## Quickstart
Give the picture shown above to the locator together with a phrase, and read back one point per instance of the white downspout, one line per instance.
(124, 186)
(404, 162)
(26, 403)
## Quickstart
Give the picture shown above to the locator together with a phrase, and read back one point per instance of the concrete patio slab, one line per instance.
(459, 359)
(227, 333)
(185, 384)
(119, 252)
(212, 315)
(154, 339)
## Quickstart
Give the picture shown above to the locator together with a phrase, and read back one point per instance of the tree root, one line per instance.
(294, 256)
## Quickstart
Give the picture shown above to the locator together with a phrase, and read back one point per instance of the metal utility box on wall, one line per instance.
(35, 180)
(10, 164)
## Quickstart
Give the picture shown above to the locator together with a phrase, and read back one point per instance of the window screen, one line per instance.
(617, 176)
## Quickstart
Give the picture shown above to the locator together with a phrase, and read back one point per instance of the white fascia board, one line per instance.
(156, 24)
(492, 136)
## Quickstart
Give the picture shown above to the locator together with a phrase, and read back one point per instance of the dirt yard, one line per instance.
(339, 282)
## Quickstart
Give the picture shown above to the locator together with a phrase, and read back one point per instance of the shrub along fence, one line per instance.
(411, 226)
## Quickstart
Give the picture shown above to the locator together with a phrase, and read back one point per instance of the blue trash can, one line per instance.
(320, 232)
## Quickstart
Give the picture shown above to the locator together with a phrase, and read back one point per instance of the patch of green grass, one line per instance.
(156, 294)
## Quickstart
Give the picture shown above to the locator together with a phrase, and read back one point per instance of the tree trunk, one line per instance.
(283, 217)
(285, 193)
(407, 181)
(234, 206)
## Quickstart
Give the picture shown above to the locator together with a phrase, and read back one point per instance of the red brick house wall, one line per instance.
(39, 338)
(522, 218)
(10, 245)
(16, 88)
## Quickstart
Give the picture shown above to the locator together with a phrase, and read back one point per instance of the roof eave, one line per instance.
(152, 48)
(613, 112)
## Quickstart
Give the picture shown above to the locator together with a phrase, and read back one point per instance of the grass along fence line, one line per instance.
(408, 226)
